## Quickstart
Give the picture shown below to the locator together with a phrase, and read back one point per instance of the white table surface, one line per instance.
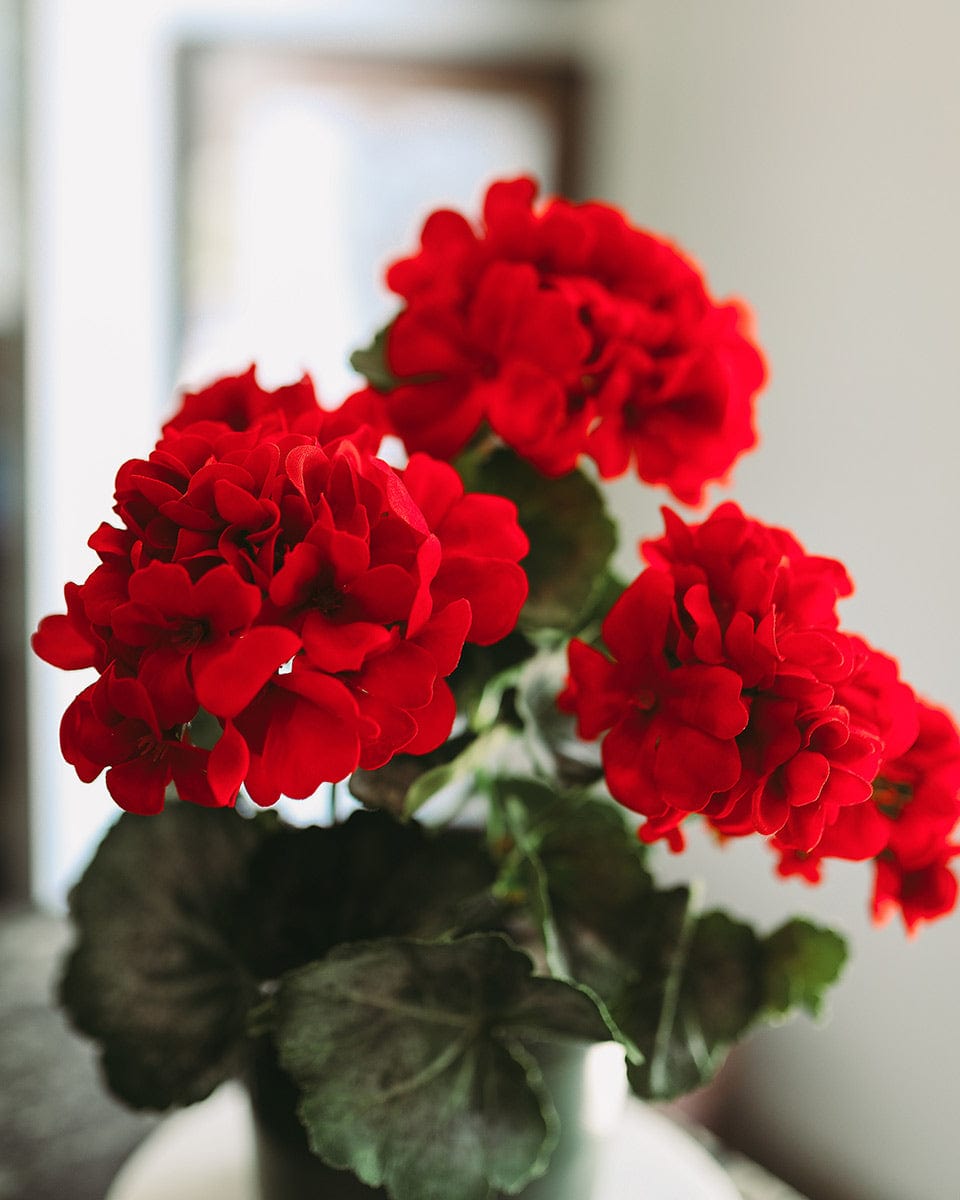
(208, 1150)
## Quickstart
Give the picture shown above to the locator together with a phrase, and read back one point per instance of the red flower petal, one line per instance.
(333, 646)
(189, 766)
(138, 786)
(709, 699)
(163, 674)
(594, 692)
(443, 636)
(495, 589)
(434, 721)
(228, 675)
(312, 739)
(227, 766)
(60, 642)
(387, 730)
(403, 675)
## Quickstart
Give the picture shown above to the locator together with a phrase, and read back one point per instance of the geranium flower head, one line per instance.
(569, 332)
(918, 796)
(272, 571)
(727, 688)
(909, 824)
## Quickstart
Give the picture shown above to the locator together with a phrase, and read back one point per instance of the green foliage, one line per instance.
(516, 730)
(723, 980)
(387, 787)
(374, 952)
(800, 962)
(700, 993)
(470, 770)
(155, 975)
(550, 736)
(680, 987)
(371, 362)
(443, 1101)
(181, 918)
(485, 673)
(313, 889)
(551, 846)
(571, 538)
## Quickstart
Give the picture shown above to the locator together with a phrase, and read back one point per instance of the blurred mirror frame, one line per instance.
(14, 816)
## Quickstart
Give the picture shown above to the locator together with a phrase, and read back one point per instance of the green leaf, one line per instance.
(800, 961)
(550, 734)
(606, 591)
(722, 980)
(496, 749)
(410, 1067)
(698, 994)
(371, 362)
(485, 674)
(156, 975)
(567, 835)
(550, 844)
(558, 1010)
(311, 889)
(571, 537)
(427, 785)
(387, 787)
(680, 987)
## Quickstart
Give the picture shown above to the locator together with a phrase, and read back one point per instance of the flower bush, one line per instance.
(279, 610)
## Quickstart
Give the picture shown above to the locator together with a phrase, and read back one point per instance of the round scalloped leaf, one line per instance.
(410, 1066)
(155, 975)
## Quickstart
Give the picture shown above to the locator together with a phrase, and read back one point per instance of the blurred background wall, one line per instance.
(807, 154)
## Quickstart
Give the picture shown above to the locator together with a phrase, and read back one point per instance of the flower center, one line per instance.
(148, 747)
(328, 598)
(189, 635)
(891, 798)
(646, 699)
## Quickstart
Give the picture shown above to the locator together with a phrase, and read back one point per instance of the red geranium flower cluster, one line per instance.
(273, 572)
(731, 691)
(914, 814)
(570, 333)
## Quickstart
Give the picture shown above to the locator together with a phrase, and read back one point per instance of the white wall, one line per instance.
(10, 174)
(809, 155)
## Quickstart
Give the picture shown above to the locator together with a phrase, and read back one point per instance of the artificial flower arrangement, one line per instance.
(279, 610)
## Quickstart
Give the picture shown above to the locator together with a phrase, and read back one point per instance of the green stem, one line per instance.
(671, 999)
(332, 805)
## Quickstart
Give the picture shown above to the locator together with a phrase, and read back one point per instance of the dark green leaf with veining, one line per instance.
(680, 986)
(410, 1065)
(156, 975)
(311, 889)
(571, 536)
